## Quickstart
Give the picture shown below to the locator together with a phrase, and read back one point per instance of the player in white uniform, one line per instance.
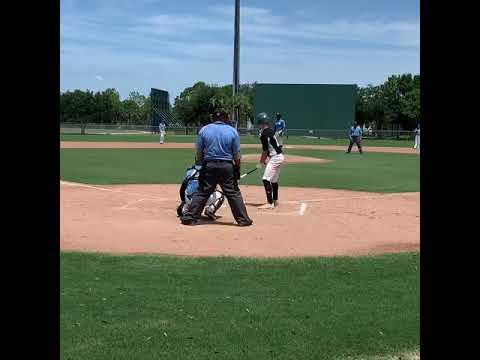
(273, 152)
(161, 128)
(417, 138)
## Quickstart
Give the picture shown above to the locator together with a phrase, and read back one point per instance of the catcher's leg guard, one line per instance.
(219, 199)
(214, 203)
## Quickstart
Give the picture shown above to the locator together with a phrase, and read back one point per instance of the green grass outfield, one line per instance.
(155, 307)
(245, 139)
(375, 172)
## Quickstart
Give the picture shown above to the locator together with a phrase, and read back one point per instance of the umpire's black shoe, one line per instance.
(248, 223)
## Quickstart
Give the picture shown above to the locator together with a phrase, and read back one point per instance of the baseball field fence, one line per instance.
(177, 129)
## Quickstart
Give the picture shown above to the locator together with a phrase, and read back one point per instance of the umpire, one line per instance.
(218, 147)
(355, 138)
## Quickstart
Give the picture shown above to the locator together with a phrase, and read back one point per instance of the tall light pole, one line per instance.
(236, 62)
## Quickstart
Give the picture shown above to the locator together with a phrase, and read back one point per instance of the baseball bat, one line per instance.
(247, 173)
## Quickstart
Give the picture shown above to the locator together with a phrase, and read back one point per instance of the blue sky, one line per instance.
(133, 45)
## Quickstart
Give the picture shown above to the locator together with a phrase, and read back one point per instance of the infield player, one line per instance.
(355, 137)
(272, 157)
(280, 129)
(161, 129)
(190, 185)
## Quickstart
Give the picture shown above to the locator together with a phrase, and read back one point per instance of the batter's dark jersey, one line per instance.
(269, 142)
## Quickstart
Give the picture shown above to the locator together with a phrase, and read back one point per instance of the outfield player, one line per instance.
(190, 186)
(273, 152)
(161, 129)
(280, 129)
(355, 137)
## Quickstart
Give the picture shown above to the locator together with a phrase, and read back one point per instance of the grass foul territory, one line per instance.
(153, 307)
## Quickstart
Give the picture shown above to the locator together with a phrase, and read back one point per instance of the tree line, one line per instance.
(195, 104)
(104, 107)
(393, 104)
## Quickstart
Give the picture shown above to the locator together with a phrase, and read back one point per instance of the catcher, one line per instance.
(190, 186)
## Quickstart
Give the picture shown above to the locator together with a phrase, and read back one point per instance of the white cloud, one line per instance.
(260, 25)
(99, 77)
(182, 24)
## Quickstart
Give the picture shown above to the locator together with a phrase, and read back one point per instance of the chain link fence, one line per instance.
(178, 129)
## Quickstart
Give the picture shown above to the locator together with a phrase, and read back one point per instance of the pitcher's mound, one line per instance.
(308, 222)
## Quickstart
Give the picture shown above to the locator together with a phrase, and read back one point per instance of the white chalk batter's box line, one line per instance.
(362, 197)
(95, 187)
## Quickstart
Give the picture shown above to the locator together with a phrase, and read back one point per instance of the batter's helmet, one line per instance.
(263, 118)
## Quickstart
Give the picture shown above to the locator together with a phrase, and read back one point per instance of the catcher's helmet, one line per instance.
(262, 118)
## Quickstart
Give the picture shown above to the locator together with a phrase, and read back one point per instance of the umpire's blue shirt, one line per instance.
(218, 141)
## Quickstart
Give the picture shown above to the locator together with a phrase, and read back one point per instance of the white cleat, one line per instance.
(267, 206)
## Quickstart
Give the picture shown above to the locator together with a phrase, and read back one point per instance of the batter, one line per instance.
(272, 157)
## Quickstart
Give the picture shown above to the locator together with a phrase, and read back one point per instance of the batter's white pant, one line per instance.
(272, 170)
(162, 136)
(417, 142)
(216, 195)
